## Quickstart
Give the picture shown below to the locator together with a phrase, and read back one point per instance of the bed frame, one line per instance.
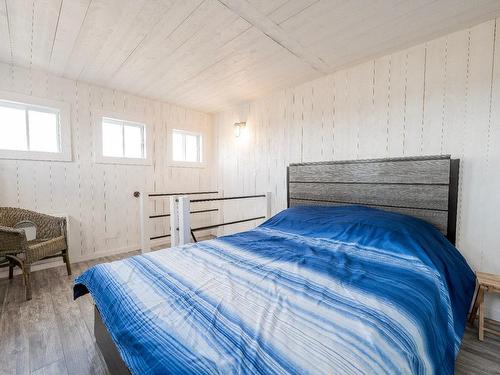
(424, 187)
(109, 351)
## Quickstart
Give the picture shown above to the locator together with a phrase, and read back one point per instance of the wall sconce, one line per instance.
(238, 128)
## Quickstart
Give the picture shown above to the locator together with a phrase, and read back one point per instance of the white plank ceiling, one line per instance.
(211, 54)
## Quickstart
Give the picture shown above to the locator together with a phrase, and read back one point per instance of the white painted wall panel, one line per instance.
(440, 97)
(104, 216)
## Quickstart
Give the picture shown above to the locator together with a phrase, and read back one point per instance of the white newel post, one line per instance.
(174, 221)
(144, 210)
(268, 205)
(184, 220)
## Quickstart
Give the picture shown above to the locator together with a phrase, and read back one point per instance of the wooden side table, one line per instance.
(487, 282)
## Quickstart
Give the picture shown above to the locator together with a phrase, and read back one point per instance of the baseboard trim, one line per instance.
(101, 254)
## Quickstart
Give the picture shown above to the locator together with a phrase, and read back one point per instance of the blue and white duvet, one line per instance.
(337, 290)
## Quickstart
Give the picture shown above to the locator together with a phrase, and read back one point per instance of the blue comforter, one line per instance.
(338, 290)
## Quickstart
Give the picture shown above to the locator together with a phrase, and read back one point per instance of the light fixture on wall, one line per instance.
(239, 127)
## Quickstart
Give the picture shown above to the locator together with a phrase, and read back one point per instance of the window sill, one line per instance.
(186, 164)
(123, 161)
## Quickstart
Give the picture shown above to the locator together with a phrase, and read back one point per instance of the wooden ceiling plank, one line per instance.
(73, 13)
(215, 31)
(291, 9)
(216, 89)
(131, 31)
(159, 42)
(434, 26)
(335, 19)
(197, 55)
(46, 17)
(97, 27)
(249, 49)
(243, 74)
(236, 66)
(218, 80)
(345, 29)
(267, 7)
(5, 42)
(21, 18)
(238, 88)
(243, 85)
(242, 90)
(416, 24)
(276, 33)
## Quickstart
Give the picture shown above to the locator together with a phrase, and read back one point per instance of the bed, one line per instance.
(347, 280)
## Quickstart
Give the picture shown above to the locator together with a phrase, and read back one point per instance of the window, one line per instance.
(32, 128)
(186, 147)
(123, 139)
(25, 128)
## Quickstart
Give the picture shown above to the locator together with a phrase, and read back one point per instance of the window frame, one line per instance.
(123, 124)
(124, 119)
(201, 150)
(28, 102)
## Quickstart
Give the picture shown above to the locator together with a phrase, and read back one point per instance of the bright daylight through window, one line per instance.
(186, 146)
(123, 139)
(24, 127)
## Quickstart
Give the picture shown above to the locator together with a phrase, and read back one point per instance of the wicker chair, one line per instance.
(4, 262)
(50, 241)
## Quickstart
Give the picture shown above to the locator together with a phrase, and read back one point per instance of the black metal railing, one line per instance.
(227, 198)
(228, 223)
(206, 210)
(191, 212)
(137, 194)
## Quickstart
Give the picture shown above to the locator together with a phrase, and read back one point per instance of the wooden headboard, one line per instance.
(423, 187)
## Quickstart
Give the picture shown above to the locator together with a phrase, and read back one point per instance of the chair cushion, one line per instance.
(41, 248)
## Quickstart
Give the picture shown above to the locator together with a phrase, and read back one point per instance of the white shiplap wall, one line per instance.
(104, 217)
(435, 98)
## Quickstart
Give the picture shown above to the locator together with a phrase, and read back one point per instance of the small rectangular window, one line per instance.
(123, 139)
(25, 127)
(186, 146)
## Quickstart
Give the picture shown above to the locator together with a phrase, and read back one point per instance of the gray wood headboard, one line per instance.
(423, 187)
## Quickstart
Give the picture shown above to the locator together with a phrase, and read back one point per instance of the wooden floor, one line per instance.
(52, 334)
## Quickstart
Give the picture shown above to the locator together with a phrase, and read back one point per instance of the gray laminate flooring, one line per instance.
(52, 334)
